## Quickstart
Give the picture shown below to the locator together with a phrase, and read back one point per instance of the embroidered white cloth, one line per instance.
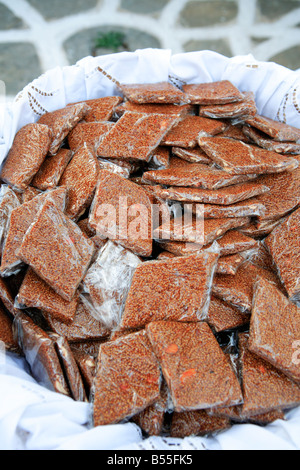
(32, 417)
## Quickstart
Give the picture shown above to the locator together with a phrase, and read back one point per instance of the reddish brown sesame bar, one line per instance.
(186, 133)
(39, 351)
(84, 326)
(154, 108)
(8, 202)
(29, 149)
(263, 140)
(127, 380)
(241, 109)
(229, 264)
(61, 122)
(194, 366)
(238, 290)
(87, 367)
(100, 109)
(117, 195)
(161, 92)
(89, 133)
(235, 242)
(195, 175)
(36, 293)
(264, 387)
(240, 209)
(223, 196)
(222, 316)
(197, 423)
(80, 179)
(274, 328)
(136, 136)
(161, 157)
(193, 155)
(275, 129)
(219, 92)
(71, 250)
(20, 220)
(174, 289)
(51, 170)
(239, 158)
(6, 332)
(283, 245)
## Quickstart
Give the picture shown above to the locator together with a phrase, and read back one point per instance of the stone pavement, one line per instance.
(36, 35)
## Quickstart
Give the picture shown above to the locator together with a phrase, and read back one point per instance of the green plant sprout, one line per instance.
(111, 40)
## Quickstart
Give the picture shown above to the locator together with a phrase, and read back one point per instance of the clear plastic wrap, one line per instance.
(195, 175)
(39, 351)
(127, 380)
(196, 370)
(61, 122)
(265, 388)
(158, 93)
(218, 92)
(239, 158)
(274, 329)
(89, 133)
(197, 423)
(108, 281)
(20, 220)
(144, 132)
(80, 179)
(283, 245)
(51, 170)
(240, 209)
(239, 109)
(8, 202)
(185, 134)
(223, 196)
(222, 316)
(36, 293)
(28, 151)
(266, 142)
(117, 206)
(177, 289)
(194, 155)
(65, 242)
(278, 130)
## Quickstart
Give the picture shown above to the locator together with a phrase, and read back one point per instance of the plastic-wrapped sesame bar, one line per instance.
(229, 264)
(29, 193)
(160, 157)
(54, 236)
(275, 129)
(80, 179)
(195, 175)
(159, 93)
(154, 108)
(7, 297)
(176, 289)
(239, 158)
(6, 332)
(235, 242)
(194, 231)
(235, 131)
(108, 281)
(127, 380)
(219, 92)
(287, 183)
(136, 136)
(36, 293)
(87, 367)
(84, 326)
(238, 290)
(151, 420)
(70, 367)
(283, 245)
(222, 196)
(265, 388)
(100, 109)
(89, 133)
(222, 316)
(186, 133)
(122, 197)
(266, 142)
(8, 202)
(20, 220)
(194, 366)
(61, 122)
(195, 155)
(241, 109)
(39, 351)
(51, 170)
(240, 209)
(274, 328)
(197, 423)
(29, 149)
